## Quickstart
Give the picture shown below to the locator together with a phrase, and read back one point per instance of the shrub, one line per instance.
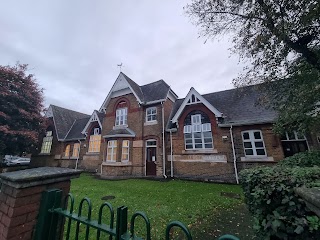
(278, 212)
(303, 159)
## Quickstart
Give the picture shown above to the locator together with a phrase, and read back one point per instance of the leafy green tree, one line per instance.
(21, 108)
(279, 40)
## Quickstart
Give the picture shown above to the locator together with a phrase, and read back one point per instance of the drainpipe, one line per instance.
(234, 156)
(171, 153)
(163, 146)
(78, 155)
(103, 154)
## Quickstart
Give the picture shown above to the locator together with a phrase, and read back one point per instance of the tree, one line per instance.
(21, 110)
(279, 39)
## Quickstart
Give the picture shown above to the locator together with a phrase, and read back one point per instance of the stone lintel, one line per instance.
(38, 176)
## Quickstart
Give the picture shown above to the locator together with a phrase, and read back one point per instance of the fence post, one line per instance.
(20, 198)
(47, 223)
(122, 222)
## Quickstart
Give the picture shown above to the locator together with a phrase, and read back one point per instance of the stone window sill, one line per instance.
(200, 151)
(151, 123)
(92, 153)
(116, 164)
(257, 159)
(120, 126)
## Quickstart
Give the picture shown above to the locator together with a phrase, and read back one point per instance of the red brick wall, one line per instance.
(222, 147)
(144, 131)
(19, 209)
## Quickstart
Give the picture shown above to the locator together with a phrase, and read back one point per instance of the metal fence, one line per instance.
(56, 217)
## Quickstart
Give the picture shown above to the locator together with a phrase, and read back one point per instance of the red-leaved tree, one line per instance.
(21, 110)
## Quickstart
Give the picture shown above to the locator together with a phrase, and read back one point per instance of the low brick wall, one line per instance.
(20, 198)
(207, 171)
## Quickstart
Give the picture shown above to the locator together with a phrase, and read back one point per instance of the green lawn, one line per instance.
(198, 205)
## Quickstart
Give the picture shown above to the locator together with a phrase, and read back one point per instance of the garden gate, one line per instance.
(55, 218)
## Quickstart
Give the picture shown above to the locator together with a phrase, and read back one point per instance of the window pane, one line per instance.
(247, 145)
(189, 141)
(198, 146)
(208, 140)
(208, 145)
(291, 136)
(125, 143)
(261, 152)
(245, 135)
(151, 143)
(259, 144)
(197, 135)
(257, 135)
(300, 136)
(198, 140)
(249, 152)
(207, 134)
(189, 146)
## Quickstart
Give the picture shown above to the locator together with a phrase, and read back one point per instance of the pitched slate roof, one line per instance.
(135, 87)
(155, 91)
(239, 106)
(77, 127)
(150, 92)
(100, 116)
(121, 132)
(63, 119)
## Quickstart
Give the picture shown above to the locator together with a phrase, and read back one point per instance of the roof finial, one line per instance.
(120, 66)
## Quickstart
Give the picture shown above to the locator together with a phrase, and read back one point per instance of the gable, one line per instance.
(193, 97)
(94, 118)
(122, 86)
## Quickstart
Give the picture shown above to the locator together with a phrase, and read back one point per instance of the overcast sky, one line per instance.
(73, 48)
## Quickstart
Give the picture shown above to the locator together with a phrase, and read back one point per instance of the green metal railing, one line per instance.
(55, 220)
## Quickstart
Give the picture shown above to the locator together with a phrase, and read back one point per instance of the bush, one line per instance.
(278, 212)
(303, 159)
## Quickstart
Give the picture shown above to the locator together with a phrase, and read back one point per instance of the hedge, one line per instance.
(303, 159)
(278, 212)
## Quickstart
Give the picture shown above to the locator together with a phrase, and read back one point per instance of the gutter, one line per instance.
(243, 123)
(153, 102)
(234, 156)
(163, 146)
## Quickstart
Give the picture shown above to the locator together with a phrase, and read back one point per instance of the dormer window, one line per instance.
(151, 114)
(121, 116)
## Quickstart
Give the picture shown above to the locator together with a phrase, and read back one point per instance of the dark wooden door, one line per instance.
(151, 161)
(292, 147)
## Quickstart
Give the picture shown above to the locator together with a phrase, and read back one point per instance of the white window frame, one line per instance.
(197, 127)
(121, 116)
(128, 152)
(46, 143)
(252, 140)
(96, 131)
(112, 151)
(151, 112)
(196, 119)
(296, 137)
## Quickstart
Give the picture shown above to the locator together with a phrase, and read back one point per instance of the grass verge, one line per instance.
(198, 205)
